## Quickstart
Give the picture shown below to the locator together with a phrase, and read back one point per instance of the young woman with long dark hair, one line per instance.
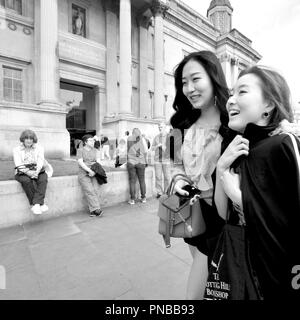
(200, 132)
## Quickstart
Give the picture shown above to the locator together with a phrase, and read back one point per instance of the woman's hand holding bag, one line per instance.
(183, 221)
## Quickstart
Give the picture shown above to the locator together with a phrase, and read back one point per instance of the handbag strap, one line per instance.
(170, 225)
(167, 236)
(296, 150)
(25, 165)
(176, 177)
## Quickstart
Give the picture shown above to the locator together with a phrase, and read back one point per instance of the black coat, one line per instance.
(100, 173)
(271, 202)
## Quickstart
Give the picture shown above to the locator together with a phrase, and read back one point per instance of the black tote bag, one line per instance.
(230, 274)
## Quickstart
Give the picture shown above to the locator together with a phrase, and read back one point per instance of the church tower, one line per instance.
(219, 13)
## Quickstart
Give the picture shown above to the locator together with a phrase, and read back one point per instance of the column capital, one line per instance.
(159, 8)
(235, 61)
(225, 57)
(144, 21)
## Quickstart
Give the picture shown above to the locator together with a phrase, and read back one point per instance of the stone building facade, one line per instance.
(69, 67)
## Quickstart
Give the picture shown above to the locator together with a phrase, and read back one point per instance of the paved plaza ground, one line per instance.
(119, 256)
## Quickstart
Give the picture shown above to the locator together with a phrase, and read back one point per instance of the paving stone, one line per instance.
(15, 255)
(70, 288)
(130, 295)
(80, 217)
(22, 284)
(181, 251)
(50, 256)
(12, 234)
(168, 281)
(43, 231)
(118, 256)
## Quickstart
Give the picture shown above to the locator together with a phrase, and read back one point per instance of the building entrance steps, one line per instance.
(118, 256)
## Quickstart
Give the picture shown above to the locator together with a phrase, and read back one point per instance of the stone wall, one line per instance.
(64, 196)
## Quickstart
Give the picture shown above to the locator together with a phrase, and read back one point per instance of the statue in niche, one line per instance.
(78, 22)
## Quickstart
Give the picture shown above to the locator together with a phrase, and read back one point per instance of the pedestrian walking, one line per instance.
(161, 160)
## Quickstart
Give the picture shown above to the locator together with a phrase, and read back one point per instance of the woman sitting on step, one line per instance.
(30, 170)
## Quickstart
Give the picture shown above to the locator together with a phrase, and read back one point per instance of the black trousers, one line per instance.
(35, 189)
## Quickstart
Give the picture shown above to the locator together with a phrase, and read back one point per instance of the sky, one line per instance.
(273, 26)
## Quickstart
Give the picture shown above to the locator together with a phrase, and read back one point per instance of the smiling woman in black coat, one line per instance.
(259, 173)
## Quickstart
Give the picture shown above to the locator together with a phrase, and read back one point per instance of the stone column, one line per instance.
(100, 107)
(145, 107)
(226, 65)
(111, 56)
(158, 10)
(48, 55)
(125, 57)
(235, 70)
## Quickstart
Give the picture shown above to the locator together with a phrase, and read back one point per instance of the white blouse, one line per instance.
(200, 152)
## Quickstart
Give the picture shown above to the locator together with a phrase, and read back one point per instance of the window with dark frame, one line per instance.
(12, 84)
(14, 5)
(78, 20)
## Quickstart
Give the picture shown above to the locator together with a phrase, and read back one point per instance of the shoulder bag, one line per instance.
(184, 221)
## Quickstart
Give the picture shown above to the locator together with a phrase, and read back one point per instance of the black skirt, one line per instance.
(206, 242)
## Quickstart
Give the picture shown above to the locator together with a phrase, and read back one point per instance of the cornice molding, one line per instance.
(238, 44)
(62, 35)
(41, 107)
(12, 59)
(16, 18)
(197, 31)
(129, 118)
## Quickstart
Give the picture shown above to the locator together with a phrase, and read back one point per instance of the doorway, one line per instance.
(81, 118)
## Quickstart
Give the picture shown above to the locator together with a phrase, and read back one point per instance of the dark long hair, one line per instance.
(186, 114)
(275, 90)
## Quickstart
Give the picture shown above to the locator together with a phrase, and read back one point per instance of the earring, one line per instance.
(265, 114)
(215, 104)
